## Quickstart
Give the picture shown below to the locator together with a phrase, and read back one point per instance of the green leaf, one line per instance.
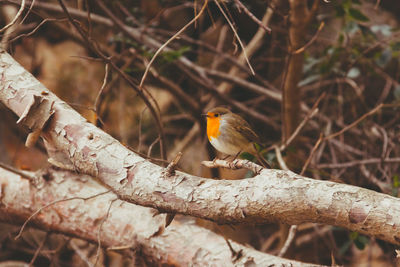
(396, 181)
(258, 147)
(354, 235)
(247, 156)
(361, 242)
(170, 56)
(357, 15)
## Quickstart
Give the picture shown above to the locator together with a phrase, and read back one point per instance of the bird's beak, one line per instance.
(205, 115)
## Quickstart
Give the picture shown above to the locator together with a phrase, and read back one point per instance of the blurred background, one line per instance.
(339, 56)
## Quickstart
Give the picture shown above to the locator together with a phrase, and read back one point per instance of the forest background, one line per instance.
(317, 80)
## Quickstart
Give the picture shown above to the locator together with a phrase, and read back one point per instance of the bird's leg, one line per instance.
(227, 156)
(235, 157)
(237, 154)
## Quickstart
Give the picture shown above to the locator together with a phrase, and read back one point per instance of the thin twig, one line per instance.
(155, 111)
(15, 18)
(357, 162)
(25, 174)
(51, 204)
(140, 129)
(251, 15)
(384, 187)
(289, 240)
(279, 158)
(372, 111)
(313, 111)
(29, 11)
(237, 37)
(304, 47)
(313, 150)
(89, 19)
(269, 92)
(168, 41)
(309, 116)
(105, 80)
(80, 253)
(99, 232)
(38, 250)
(35, 29)
(151, 146)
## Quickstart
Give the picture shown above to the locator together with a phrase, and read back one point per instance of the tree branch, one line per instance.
(128, 226)
(273, 195)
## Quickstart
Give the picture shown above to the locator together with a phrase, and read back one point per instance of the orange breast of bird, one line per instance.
(213, 128)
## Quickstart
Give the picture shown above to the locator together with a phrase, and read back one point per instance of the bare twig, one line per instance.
(301, 49)
(269, 92)
(151, 146)
(289, 240)
(15, 18)
(237, 37)
(384, 187)
(313, 111)
(53, 203)
(371, 112)
(234, 165)
(105, 80)
(80, 253)
(314, 149)
(251, 15)
(35, 29)
(279, 157)
(309, 116)
(155, 113)
(140, 129)
(30, 176)
(357, 162)
(170, 40)
(29, 11)
(38, 250)
(99, 232)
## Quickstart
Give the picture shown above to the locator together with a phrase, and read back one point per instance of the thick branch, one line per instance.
(126, 225)
(273, 195)
(299, 19)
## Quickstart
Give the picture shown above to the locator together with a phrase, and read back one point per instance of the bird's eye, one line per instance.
(216, 115)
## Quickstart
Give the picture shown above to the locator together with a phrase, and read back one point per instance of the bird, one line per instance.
(230, 134)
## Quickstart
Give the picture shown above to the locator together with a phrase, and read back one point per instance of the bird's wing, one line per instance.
(244, 128)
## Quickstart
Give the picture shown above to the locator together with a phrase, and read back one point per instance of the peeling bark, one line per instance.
(127, 225)
(273, 195)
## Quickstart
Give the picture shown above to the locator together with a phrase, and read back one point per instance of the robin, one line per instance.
(230, 134)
